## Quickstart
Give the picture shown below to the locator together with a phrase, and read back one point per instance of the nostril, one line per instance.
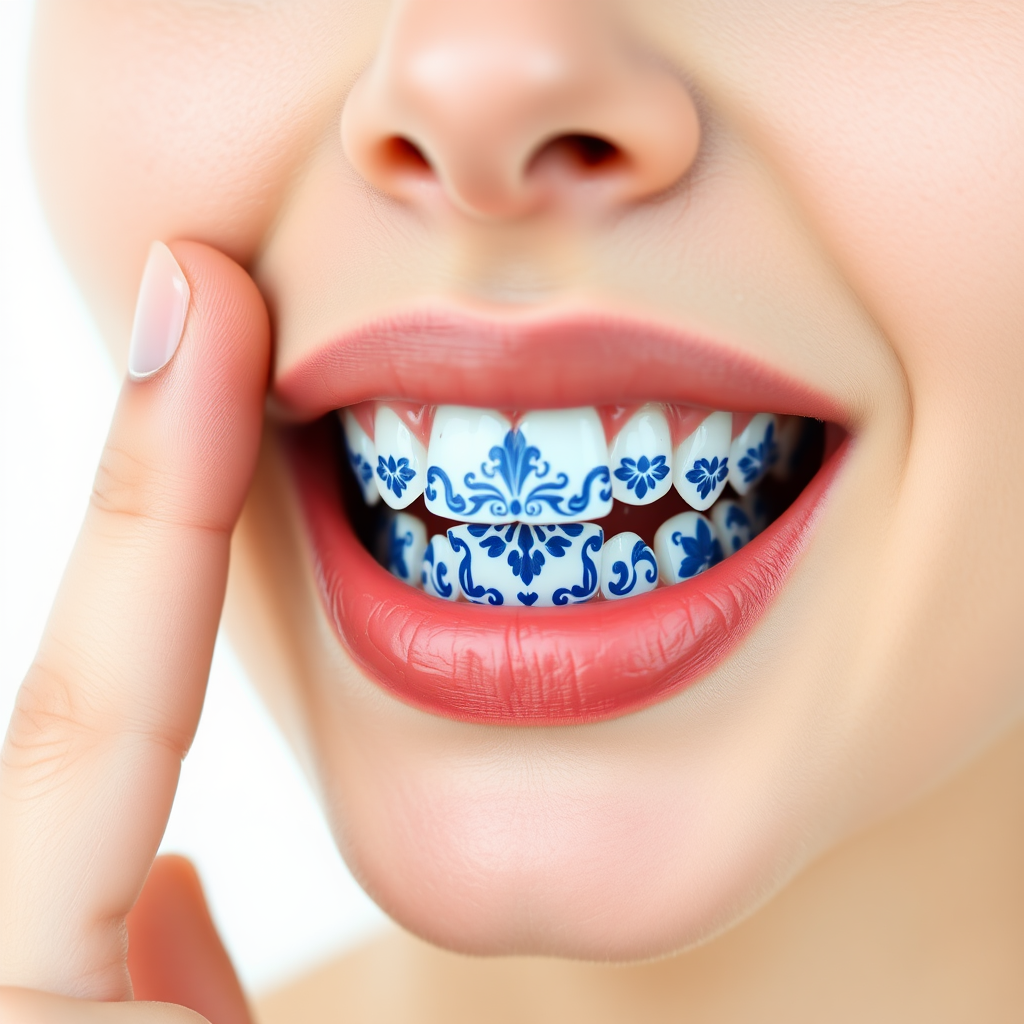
(404, 156)
(579, 154)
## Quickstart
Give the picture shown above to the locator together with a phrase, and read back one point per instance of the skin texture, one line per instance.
(843, 202)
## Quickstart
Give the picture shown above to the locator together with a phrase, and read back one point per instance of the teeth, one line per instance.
(733, 525)
(628, 567)
(753, 452)
(641, 458)
(552, 468)
(462, 481)
(523, 564)
(702, 461)
(686, 545)
(405, 547)
(400, 459)
(362, 456)
(439, 575)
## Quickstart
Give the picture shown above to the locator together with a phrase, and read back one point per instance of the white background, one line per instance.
(279, 891)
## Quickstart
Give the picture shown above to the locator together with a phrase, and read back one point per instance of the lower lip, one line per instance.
(537, 666)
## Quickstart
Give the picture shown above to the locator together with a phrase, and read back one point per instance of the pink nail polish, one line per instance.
(159, 314)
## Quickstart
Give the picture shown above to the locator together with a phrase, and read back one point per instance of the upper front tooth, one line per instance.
(753, 452)
(628, 567)
(686, 545)
(461, 483)
(641, 458)
(702, 461)
(362, 456)
(551, 468)
(400, 459)
(406, 544)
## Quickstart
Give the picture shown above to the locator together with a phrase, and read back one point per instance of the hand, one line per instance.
(111, 703)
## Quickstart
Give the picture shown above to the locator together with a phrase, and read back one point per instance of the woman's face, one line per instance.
(796, 207)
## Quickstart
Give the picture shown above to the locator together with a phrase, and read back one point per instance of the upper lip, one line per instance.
(443, 356)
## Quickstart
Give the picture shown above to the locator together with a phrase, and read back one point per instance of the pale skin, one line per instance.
(828, 824)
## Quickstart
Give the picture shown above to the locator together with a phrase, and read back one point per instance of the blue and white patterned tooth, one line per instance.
(551, 468)
(439, 575)
(464, 480)
(733, 525)
(641, 458)
(405, 546)
(362, 455)
(686, 545)
(401, 459)
(753, 452)
(563, 460)
(525, 564)
(628, 567)
(701, 461)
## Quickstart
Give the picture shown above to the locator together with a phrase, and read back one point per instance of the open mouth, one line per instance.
(509, 562)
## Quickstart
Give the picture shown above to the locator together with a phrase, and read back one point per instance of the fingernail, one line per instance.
(159, 314)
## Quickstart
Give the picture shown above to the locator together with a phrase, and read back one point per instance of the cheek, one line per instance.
(169, 120)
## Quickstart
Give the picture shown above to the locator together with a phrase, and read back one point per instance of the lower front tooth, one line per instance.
(523, 564)
(401, 459)
(628, 567)
(362, 456)
(406, 545)
(686, 545)
(440, 569)
(701, 461)
(753, 452)
(733, 525)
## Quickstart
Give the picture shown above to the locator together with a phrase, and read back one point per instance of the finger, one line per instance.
(174, 952)
(111, 703)
(24, 1006)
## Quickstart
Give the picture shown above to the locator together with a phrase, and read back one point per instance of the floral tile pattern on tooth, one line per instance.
(440, 567)
(686, 545)
(641, 457)
(552, 469)
(362, 456)
(628, 567)
(526, 564)
(400, 459)
(733, 525)
(701, 461)
(753, 452)
(406, 544)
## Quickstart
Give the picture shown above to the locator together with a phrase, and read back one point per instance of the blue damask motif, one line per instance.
(397, 544)
(759, 460)
(627, 576)
(474, 591)
(582, 591)
(434, 573)
(504, 487)
(642, 475)
(527, 549)
(396, 475)
(702, 551)
(707, 475)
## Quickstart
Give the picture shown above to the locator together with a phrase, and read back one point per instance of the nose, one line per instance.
(507, 107)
